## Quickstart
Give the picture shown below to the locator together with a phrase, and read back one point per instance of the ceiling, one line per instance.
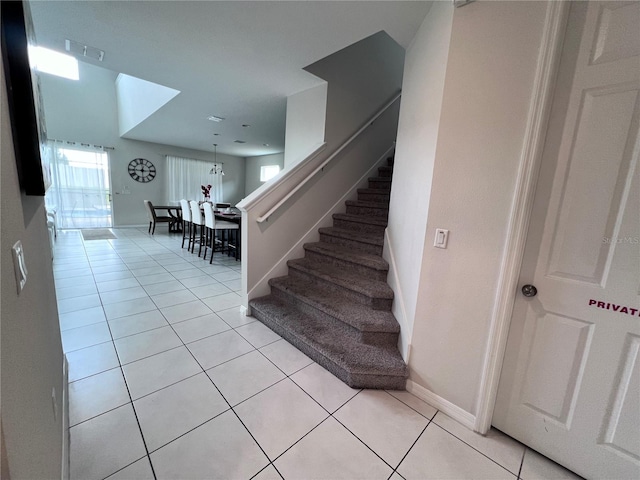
(234, 59)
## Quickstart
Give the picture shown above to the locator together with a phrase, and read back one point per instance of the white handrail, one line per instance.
(369, 122)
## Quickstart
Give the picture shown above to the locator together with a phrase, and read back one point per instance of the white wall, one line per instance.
(422, 88)
(361, 78)
(253, 164)
(31, 349)
(86, 111)
(489, 79)
(304, 129)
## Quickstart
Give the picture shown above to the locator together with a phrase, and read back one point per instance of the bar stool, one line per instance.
(196, 221)
(186, 222)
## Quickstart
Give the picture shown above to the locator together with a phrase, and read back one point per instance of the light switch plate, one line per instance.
(19, 266)
(442, 237)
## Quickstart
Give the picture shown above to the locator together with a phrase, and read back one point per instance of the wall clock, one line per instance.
(142, 170)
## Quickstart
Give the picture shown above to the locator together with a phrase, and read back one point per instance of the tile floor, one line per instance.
(169, 380)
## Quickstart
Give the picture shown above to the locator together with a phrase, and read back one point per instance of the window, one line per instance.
(267, 172)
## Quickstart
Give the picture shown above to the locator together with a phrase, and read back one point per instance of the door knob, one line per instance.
(529, 291)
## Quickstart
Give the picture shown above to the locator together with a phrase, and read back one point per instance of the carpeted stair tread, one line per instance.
(358, 316)
(374, 289)
(358, 203)
(378, 191)
(347, 254)
(358, 365)
(363, 237)
(364, 219)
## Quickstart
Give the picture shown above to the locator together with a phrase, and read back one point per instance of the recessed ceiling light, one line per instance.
(216, 134)
(239, 141)
(245, 125)
(213, 118)
(265, 144)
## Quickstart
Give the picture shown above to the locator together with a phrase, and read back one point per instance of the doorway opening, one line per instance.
(80, 192)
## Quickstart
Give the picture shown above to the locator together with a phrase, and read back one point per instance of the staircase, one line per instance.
(335, 304)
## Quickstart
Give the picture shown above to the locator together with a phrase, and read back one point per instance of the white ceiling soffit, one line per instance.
(233, 59)
(138, 99)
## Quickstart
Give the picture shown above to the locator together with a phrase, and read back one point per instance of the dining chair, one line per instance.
(196, 221)
(186, 222)
(153, 218)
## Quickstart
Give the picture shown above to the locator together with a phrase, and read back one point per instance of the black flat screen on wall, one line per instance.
(23, 95)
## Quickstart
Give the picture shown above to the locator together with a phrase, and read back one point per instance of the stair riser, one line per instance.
(390, 161)
(385, 172)
(374, 197)
(370, 338)
(360, 246)
(375, 303)
(383, 184)
(358, 227)
(347, 266)
(386, 382)
(368, 211)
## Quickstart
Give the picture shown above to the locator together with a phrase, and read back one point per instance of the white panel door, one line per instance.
(570, 382)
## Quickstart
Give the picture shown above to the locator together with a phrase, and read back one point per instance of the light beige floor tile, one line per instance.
(119, 284)
(157, 278)
(258, 334)
(439, 455)
(173, 298)
(164, 287)
(145, 271)
(71, 272)
(79, 303)
(210, 290)
(75, 291)
(81, 318)
(113, 276)
(414, 402)
(73, 281)
(153, 373)
(185, 311)
(223, 302)
(187, 273)
(539, 467)
(225, 276)
(170, 412)
(331, 451)
(200, 327)
(83, 337)
(268, 473)
(118, 296)
(105, 444)
(91, 360)
(97, 394)
(220, 348)
(324, 387)
(221, 448)
(242, 377)
(141, 345)
(233, 284)
(129, 307)
(235, 318)
(110, 269)
(286, 357)
(138, 323)
(385, 424)
(199, 281)
(140, 470)
(496, 445)
(280, 416)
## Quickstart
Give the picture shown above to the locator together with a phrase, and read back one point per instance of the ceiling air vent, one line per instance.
(239, 141)
(213, 118)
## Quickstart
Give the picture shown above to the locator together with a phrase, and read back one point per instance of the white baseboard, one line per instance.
(398, 307)
(445, 406)
(65, 472)
(246, 311)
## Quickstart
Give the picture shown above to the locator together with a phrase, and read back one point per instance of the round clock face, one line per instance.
(142, 170)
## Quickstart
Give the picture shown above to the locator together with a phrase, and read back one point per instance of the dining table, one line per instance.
(232, 216)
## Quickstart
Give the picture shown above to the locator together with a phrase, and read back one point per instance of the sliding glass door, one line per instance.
(80, 192)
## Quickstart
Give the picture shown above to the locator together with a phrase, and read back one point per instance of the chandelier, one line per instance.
(217, 167)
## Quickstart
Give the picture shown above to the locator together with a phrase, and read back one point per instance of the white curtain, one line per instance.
(186, 176)
(80, 190)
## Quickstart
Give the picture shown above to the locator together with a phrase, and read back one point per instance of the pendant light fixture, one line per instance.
(217, 168)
